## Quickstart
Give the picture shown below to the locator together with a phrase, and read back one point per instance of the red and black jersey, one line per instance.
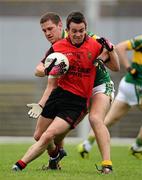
(81, 74)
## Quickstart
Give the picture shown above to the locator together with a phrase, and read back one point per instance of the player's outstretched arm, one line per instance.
(122, 49)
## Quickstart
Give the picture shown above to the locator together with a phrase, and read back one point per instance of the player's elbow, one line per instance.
(116, 69)
(40, 70)
(39, 73)
(113, 67)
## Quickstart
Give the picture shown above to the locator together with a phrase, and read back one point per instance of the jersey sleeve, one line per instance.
(136, 43)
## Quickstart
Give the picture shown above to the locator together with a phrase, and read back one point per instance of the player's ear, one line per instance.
(60, 24)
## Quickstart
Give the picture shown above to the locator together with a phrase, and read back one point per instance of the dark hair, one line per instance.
(55, 18)
(76, 17)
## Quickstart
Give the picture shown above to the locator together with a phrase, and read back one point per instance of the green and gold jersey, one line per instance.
(135, 44)
(101, 76)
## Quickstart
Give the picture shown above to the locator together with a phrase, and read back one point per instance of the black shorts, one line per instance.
(66, 105)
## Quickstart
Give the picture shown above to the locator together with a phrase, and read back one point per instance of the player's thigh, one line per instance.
(117, 111)
(100, 105)
(42, 124)
(58, 127)
(59, 139)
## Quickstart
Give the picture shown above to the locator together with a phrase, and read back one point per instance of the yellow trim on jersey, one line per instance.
(129, 45)
(95, 36)
(137, 56)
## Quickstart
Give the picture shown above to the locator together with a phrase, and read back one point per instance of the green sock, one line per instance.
(91, 139)
(139, 142)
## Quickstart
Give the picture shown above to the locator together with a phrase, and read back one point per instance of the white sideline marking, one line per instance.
(68, 140)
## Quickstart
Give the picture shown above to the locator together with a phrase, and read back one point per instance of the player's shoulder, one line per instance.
(136, 39)
(91, 40)
(136, 42)
(59, 42)
(139, 37)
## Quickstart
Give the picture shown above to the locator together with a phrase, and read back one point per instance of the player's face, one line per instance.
(77, 32)
(52, 31)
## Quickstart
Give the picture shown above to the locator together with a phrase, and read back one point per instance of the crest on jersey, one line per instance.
(89, 55)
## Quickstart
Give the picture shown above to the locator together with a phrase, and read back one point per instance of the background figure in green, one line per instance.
(129, 92)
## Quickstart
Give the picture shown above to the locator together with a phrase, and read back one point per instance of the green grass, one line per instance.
(126, 167)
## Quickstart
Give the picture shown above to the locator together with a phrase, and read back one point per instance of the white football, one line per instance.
(61, 59)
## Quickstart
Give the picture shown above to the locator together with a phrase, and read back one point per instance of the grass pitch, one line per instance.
(126, 167)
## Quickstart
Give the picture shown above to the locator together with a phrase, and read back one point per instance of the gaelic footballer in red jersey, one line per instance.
(67, 104)
(81, 74)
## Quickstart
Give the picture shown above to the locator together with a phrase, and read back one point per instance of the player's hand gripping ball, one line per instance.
(56, 64)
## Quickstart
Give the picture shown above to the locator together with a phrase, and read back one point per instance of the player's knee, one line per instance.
(48, 136)
(37, 136)
(95, 119)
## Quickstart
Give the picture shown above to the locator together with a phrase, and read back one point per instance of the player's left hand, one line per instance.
(35, 110)
(100, 64)
(106, 43)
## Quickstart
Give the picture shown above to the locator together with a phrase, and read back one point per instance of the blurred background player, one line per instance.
(136, 148)
(129, 92)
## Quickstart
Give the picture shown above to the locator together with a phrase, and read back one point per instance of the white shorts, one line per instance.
(127, 93)
(105, 88)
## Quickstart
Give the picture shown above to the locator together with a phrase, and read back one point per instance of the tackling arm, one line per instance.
(109, 55)
(40, 70)
(110, 59)
(122, 49)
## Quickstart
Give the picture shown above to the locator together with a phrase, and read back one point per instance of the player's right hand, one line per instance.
(35, 110)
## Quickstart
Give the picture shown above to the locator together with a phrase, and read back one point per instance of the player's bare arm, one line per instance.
(51, 84)
(109, 55)
(121, 49)
(110, 59)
